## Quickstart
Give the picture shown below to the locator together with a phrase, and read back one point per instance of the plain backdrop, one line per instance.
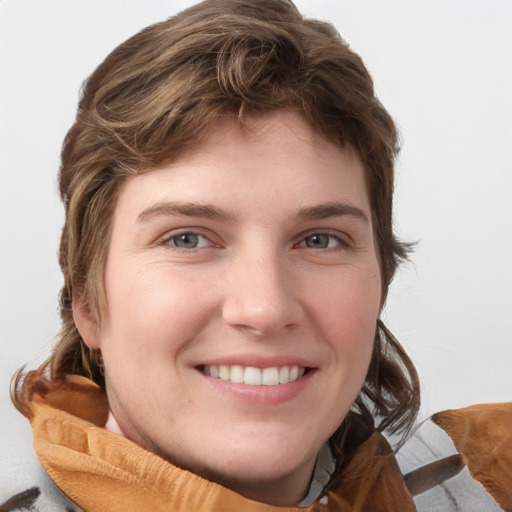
(443, 70)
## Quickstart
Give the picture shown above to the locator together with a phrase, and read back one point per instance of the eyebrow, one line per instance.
(186, 210)
(317, 212)
(330, 210)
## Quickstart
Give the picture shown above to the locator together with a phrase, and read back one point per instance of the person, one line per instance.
(227, 250)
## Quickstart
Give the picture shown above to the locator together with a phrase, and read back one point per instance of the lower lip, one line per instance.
(259, 395)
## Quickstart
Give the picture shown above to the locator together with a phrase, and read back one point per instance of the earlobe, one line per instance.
(86, 323)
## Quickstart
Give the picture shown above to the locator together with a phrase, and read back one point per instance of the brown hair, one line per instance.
(160, 91)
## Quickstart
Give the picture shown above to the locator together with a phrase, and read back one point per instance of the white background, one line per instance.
(443, 70)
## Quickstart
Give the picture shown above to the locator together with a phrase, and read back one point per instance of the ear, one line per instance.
(85, 323)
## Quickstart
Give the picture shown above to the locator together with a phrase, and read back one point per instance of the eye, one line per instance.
(188, 241)
(322, 241)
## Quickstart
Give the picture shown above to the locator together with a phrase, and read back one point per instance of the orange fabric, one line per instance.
(483, 436)
(99, 470)
(372, 481)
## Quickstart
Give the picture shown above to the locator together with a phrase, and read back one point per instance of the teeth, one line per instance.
(223, 373)
(236, 375)
(270, 376)
(255, 376)
(252, 376)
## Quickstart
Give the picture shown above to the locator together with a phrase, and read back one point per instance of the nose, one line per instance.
(260, 295)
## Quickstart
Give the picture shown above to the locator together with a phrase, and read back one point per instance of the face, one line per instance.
(243, 289)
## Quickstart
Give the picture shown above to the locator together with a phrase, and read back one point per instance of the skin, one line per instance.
(274, 278)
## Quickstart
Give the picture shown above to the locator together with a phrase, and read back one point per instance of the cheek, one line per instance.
(347, 313)
(150, 319)
(154, 309)
(349, 302)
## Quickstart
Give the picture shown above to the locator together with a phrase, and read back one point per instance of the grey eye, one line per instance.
(318, 241)
(186, 240)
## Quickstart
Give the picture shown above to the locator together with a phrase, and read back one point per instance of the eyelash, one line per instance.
(170, 238)
(340, 242)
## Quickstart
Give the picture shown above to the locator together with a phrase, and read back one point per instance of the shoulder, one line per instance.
(461, 460)
(24, 485)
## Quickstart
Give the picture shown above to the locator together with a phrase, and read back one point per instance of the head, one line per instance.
(162, 95)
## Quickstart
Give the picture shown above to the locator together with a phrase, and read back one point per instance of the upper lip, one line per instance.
(258, 361)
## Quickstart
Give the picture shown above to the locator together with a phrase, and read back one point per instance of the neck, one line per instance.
(286, 491)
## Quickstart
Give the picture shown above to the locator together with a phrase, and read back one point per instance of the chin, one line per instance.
(262, 460)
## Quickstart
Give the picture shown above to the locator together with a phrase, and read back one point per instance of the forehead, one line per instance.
(286, 134)
(269, 161)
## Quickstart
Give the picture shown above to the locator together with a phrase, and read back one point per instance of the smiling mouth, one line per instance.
(253, 376)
